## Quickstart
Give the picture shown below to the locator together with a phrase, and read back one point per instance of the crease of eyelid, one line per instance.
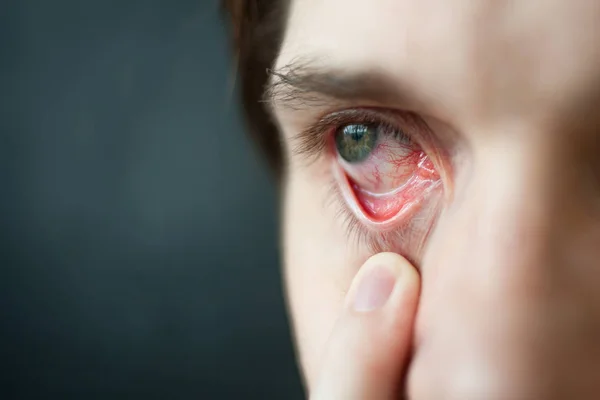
(308, 81)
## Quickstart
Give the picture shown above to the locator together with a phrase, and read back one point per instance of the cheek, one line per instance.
(319, 266)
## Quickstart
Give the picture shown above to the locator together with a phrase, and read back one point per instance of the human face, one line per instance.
(476, 157)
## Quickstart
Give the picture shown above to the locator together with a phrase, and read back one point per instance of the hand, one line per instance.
(370, 343)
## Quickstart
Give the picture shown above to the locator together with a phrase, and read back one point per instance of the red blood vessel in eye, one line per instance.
(381, 207)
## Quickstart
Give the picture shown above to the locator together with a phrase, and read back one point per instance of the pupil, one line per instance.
(356, 132)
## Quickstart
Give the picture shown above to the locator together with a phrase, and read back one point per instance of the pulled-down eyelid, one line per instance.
(405, 233)
(313, 100)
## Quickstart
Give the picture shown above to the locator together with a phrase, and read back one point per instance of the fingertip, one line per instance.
(379, 278)
(406, 274)
(371, 341)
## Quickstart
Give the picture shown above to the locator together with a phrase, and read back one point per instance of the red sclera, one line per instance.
(383, 207)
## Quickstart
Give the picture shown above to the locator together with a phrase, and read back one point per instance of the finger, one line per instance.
(370, 343)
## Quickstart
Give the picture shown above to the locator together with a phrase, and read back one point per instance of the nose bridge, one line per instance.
(497, 238)
(527, 207)
(511, 215)
(498, 281)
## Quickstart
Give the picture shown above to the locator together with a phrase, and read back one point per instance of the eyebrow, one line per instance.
(303, 84)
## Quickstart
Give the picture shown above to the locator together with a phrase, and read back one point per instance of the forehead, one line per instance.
(476, 59)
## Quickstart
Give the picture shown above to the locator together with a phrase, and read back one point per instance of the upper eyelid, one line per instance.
(312, 141)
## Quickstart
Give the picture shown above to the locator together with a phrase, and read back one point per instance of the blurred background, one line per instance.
(138, 231)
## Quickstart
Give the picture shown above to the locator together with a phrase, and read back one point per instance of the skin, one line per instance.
(370, 343)
(510, 293)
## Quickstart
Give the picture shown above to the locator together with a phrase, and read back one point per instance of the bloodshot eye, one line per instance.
(383, 173)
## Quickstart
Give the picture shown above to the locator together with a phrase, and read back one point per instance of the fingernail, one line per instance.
(374, 289)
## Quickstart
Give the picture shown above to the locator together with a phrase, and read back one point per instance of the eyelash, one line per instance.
(312, 142)
(316, 142)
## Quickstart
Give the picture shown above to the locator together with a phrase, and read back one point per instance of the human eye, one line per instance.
(384, 168)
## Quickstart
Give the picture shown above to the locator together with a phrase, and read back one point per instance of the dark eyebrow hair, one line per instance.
(305, 84)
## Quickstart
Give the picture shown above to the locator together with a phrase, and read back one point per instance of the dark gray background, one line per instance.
(138, 227)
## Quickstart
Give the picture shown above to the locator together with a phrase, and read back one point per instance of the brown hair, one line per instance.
(257, 31)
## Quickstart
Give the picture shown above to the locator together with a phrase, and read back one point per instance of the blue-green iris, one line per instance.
(355, 142)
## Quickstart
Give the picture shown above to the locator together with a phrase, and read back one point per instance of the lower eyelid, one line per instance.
(408, 198)
(405, 231)
(406, 234)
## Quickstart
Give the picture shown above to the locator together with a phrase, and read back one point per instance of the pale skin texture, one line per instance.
(510, 292)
